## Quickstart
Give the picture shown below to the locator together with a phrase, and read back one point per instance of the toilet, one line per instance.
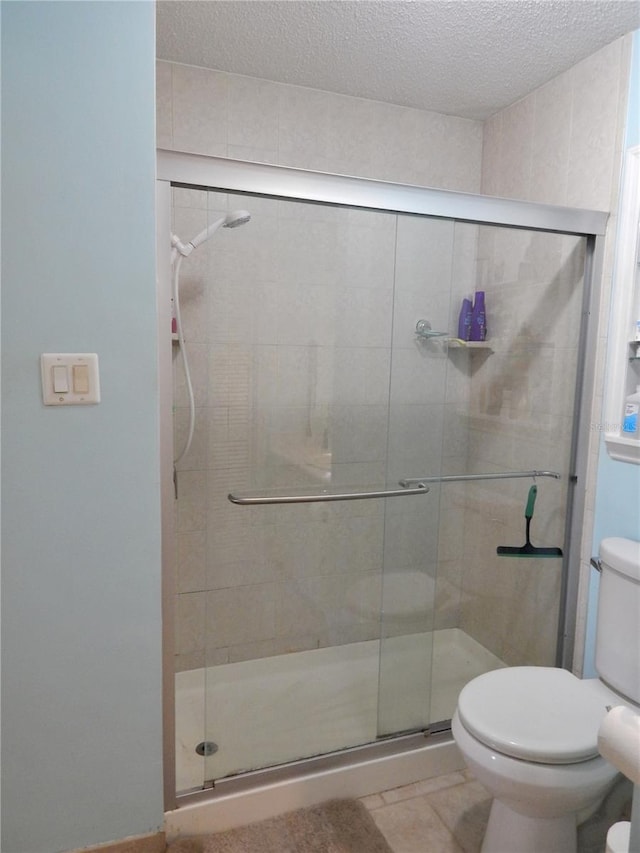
(529, 734)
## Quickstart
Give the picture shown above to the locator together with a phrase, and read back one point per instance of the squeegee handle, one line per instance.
(531, 502)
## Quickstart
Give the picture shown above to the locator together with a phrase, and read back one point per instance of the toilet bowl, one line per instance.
(530, 734)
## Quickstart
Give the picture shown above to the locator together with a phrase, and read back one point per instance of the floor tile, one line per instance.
(464, 809)
(412, 826)
(426, 786)
(373, 801)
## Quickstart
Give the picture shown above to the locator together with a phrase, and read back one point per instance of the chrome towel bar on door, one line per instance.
(254, 500)
(461, 478)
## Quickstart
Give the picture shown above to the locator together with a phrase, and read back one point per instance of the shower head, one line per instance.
(231, 220)
(238, 217)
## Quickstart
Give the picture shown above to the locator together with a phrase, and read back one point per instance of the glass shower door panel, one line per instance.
(298, 355)
(308, 375)
(520, 417)
(452, 608)
(516, 415)
(426, 270)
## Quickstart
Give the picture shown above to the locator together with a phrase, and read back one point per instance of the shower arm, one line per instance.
(460, 478)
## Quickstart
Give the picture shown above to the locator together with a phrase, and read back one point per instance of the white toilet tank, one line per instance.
(618, 626)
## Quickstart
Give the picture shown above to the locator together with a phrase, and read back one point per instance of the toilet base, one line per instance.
(510, 832)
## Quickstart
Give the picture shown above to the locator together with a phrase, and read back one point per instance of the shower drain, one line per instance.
(206, 748)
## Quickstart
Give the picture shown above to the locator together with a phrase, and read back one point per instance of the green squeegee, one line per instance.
(528, 550)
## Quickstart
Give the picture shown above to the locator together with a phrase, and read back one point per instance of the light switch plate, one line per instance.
(82, 378)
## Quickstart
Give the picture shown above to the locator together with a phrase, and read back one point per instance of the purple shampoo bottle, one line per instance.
(464, 320)
(478, 318)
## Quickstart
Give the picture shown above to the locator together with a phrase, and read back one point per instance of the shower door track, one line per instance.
(199, 171)
(195, 171)
(306, 767)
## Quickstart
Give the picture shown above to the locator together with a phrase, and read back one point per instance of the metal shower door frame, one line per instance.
(197, 171)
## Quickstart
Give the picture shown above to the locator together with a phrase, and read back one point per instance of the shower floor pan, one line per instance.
(265, 712)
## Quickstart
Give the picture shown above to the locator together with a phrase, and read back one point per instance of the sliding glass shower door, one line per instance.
(292, 669)
(478, 417)
(289, 324)
(324, 364)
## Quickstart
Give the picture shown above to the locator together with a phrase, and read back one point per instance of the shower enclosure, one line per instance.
(330, 537)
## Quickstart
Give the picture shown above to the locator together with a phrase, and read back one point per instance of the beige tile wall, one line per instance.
(293, 396)
(227, 115)
(274, 581)
(560, 145)
(519, 418)
(563, 145)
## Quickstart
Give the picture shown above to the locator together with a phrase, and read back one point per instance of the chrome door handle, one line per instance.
(256, 500)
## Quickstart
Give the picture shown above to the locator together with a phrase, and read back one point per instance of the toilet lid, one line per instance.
(539, 714)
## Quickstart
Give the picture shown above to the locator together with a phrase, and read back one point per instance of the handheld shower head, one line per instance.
(231, 220)
(179, 251)
(238, 217)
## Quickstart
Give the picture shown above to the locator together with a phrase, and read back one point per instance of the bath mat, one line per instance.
(338, 826)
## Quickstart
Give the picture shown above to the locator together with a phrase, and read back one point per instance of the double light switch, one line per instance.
(70, 379)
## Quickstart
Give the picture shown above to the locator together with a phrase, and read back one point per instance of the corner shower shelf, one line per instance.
(424, 330)
(456, 343)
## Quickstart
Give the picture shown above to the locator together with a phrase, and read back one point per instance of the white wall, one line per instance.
(81, 630)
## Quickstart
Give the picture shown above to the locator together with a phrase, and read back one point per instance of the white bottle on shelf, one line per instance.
(631, 420)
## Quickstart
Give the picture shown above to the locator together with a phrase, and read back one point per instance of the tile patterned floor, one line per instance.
(447, 814)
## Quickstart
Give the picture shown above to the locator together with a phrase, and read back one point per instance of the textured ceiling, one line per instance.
(462, 57)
